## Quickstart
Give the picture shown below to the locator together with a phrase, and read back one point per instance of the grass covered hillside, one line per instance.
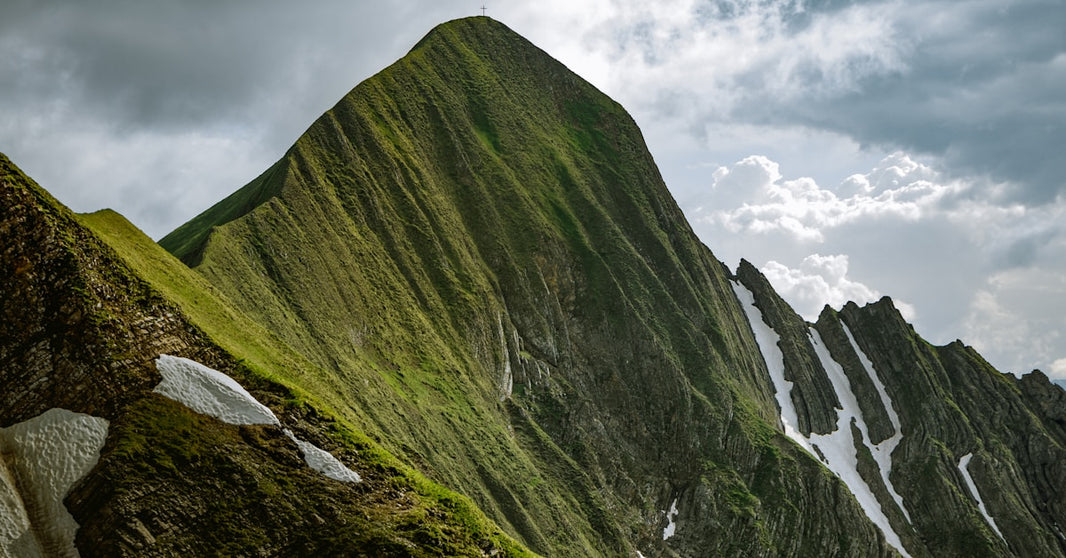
(462, 316)
(476, 253)
(87, 305)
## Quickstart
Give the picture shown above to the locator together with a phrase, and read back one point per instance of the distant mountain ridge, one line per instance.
(471, 263)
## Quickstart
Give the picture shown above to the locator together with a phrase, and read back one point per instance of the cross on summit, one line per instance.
(482, 9)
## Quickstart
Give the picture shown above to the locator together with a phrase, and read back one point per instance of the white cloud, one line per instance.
(721, 54)
(988, 272)
(1017, 321)
(898, 188)
(974, 82)
(821, 280)
(1058, 369)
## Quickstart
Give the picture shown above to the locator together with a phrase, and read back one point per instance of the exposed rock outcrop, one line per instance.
(813, 393)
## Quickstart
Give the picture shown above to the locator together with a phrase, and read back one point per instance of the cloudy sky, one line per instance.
(849, 149)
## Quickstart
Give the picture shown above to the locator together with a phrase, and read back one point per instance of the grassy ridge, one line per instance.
(188, 241)
(88, 303)
(165, 445)
(204, 304)
(478, 248)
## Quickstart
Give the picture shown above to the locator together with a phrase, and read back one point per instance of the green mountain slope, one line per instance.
(468, 275)
(477, 243)
(80, 329)
(208, 308)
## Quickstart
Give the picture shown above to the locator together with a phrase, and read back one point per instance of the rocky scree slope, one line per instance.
(81, 330)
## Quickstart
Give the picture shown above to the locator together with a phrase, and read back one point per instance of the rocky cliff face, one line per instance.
(471, 263)
(977, 466)
(953, 403)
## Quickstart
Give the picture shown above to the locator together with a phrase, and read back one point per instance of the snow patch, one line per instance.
(964, 468)
(835, 449)
(40, 460)
(210, 392)
(882, 452)
(838, 446)
(323, 461)
(14, 522)
(767, 339)
(670, 517)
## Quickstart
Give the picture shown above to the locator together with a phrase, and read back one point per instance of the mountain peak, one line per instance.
(467, 79)
(480, 238)
(472, 30)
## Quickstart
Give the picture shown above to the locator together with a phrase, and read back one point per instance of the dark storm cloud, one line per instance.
(982, 88)
(184, 64)
(976, 83)
(138, 64)
(159, 109)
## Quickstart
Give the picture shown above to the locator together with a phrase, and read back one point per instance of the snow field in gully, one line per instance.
(837, 448)
(964, 468)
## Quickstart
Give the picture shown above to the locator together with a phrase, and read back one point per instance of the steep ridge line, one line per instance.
(81, 329)
(837, 448)
(477, 183)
